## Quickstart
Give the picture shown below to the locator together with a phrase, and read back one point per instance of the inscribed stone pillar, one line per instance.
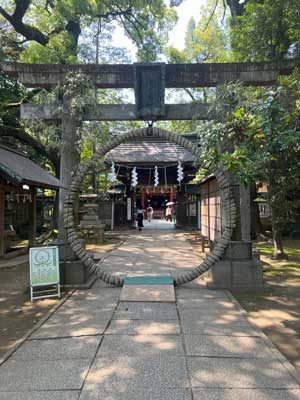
(238, 269)
(245, 212)
(235, 188)
(242, 198)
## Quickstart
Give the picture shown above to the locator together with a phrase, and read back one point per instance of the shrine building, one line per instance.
(156, 162)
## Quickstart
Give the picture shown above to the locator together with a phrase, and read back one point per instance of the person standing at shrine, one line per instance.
(140, 217)
(169, 214)
(149, 211)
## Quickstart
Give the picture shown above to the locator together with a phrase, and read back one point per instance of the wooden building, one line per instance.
(19, 180)
(211, 218)
(147, 156)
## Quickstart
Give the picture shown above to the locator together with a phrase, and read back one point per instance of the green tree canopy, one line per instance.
(205, 41)
(267, 30)
(50, 30)
(257, 139)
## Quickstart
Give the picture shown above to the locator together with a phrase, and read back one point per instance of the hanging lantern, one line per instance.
(179, 172)
(134, 177)
(156, 177)
(113, 176)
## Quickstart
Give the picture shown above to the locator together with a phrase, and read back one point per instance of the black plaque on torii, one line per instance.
(149, 90)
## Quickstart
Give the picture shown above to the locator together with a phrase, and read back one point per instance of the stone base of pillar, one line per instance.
(237, 270)
(75, 275)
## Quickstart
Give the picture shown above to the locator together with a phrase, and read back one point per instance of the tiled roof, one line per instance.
(18, 169)
(149, 150)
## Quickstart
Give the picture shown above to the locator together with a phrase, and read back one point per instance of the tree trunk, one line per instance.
(279, 253)
(236, 7)
(73, 28)
(257, 228)
(275, 195)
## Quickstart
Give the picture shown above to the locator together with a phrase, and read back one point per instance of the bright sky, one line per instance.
(186, 10)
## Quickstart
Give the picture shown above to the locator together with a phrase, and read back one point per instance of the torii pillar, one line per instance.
(73, 271)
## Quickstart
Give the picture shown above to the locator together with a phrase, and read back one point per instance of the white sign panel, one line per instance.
(192, 210)
(44, 269)
(199, 214)
(128, 208)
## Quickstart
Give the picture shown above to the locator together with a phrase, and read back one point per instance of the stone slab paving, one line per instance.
(148, 311)
(62, 349)
(72, 326)
(229, 315)
(145, 293)
(83, 311)
(95, 294)
(138, 371)
(203, 304)
(226, 346)
(41, 395)
(151, 253)
(137, 394)
(144, 327)
(89, 305)
(16, 375)
(158, 224)
(212, 372)
(115, 345)
(195, 293)
(219, 328)
(246, 394)
(96, 346)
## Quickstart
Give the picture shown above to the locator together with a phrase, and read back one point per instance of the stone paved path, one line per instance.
(152, 253)
(160, 224)
(96, 347)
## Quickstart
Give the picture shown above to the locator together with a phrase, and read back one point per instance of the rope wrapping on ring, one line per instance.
(73, 193)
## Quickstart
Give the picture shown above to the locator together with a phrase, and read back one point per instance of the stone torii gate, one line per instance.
(149, 82)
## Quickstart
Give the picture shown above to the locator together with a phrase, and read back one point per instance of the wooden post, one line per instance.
(143, 198)
(133, 206)
(2, 222)
(112, 226)
(32, 217)
(208, 210)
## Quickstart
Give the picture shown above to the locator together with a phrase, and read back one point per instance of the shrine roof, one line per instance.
(150, 151)
(18, 169)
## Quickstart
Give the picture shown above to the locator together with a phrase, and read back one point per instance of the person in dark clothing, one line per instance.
(140, 217)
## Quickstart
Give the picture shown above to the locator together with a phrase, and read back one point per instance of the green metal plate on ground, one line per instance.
(149, 280)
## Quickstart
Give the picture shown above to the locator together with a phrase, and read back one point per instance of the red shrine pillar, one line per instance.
(172, 199)
(171, 195)
(143, 199)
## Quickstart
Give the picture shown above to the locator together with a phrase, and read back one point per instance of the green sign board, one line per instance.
(44, 266)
